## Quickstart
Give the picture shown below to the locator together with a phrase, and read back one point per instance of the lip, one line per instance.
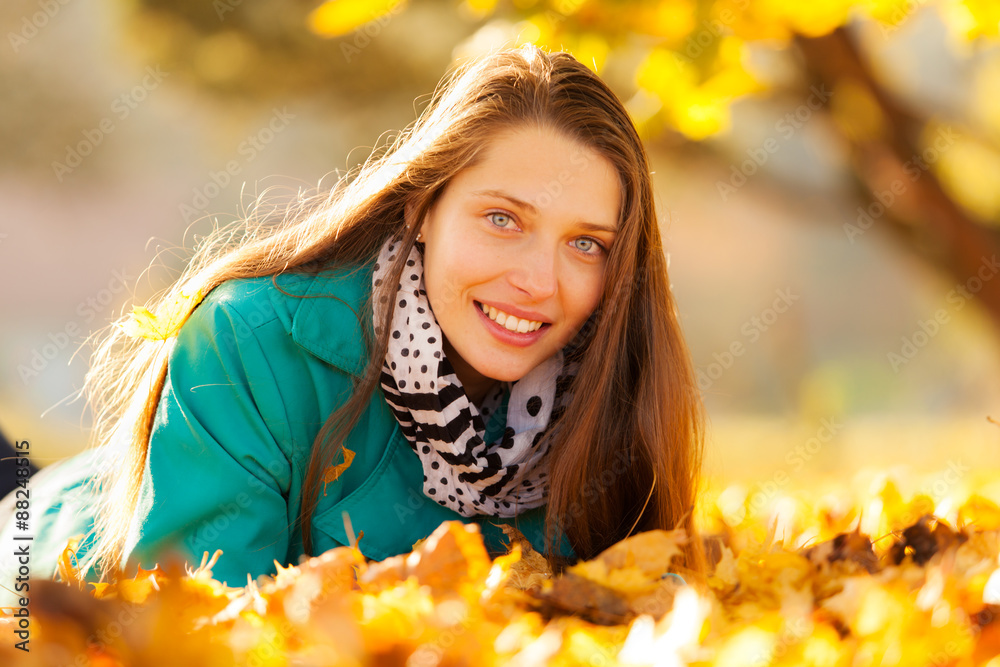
(517, 312)
(505, 335)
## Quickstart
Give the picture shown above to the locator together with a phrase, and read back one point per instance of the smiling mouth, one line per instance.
(510, 322)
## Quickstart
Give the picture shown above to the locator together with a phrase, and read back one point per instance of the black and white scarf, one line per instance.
(445, 428)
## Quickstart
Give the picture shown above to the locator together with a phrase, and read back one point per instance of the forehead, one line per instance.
(547, 169)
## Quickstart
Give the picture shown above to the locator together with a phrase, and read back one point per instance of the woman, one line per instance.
(532, 370)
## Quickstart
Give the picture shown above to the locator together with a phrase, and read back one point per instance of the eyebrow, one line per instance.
(593, 226)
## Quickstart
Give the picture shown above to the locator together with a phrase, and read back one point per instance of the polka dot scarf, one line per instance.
(445, 428)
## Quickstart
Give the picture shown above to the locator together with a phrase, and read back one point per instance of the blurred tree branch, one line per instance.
(958, 244)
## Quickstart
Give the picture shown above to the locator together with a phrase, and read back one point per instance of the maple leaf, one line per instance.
(453, 559)
(334, 471)
(651, 552)
(166, 322)
(531, 568)
(68, 571)
(572, 594)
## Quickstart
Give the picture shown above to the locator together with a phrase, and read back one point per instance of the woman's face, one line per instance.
(525, 232)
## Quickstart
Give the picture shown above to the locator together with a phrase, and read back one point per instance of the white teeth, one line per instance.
(509, 321)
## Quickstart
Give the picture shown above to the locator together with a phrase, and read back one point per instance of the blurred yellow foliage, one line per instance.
(689, 54)
(982, 18)
(970, 172)
(338, 17)
(697, 102)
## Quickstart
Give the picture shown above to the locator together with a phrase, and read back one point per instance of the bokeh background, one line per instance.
(827, 174)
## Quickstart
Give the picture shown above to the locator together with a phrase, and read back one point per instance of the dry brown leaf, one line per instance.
(852, 548)
(572, 594)
(532, 568)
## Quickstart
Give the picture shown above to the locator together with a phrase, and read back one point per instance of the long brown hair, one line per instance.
(626, 455)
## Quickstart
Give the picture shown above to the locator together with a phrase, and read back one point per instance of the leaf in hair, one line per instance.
(166, 322)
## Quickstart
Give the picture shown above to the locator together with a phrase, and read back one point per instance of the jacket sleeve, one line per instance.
(215, 476)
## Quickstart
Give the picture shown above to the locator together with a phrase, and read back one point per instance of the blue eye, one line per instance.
(501, 214)
(593, 242)
(507, 223)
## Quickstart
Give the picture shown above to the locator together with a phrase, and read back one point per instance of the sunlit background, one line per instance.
(827, 173)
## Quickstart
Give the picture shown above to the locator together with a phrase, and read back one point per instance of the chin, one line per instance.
(501, 377)
(508, 374)
(493, 374)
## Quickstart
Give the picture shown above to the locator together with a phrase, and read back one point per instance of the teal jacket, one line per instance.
(251, 379)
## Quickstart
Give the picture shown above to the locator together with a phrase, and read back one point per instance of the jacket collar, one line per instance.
(326, 322)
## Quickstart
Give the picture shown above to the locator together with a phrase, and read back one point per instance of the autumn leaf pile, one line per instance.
(801, 584)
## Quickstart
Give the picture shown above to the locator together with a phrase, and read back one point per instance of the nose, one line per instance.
(535, 270)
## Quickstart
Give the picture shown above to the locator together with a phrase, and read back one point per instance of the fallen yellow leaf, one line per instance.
(333, 472)
(166, 322)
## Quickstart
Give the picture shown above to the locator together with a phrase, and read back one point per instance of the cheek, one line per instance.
(453, 270)
(585, 297)
(446, 280)
(438, 292)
